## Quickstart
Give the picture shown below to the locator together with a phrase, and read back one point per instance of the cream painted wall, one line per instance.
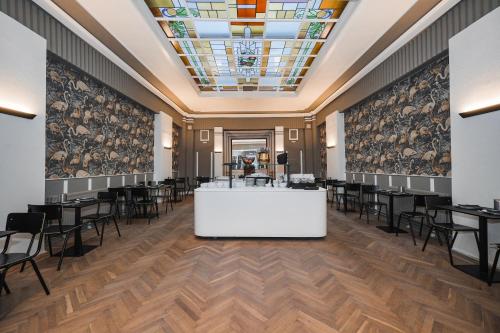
(475, 141)
(163, 147)
(335, 142)
(22, 141)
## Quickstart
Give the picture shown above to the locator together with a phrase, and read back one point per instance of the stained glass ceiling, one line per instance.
(247, 45)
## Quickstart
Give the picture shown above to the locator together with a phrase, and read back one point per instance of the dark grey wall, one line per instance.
(64, 43)
(293, 149)
(429, 43)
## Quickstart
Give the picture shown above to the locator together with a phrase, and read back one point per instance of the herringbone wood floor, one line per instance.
(160, 278)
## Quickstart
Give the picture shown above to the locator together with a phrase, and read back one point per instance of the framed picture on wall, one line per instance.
(204, 135)
(293, 134)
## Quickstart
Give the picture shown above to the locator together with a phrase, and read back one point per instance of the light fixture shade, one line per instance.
(480, 111)
(16, 113)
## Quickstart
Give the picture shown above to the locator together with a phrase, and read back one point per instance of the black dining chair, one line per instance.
(370, 202)
(120, 200)
(448, 229)
(353, 194)
(22, 223)
(181, 187)
(142, 199)
(54, 227)
(103, 215)
(410, 216)
(495, 263)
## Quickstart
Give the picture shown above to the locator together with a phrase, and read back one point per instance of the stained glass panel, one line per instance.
(247, 45)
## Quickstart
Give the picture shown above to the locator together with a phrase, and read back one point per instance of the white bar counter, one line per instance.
(259, 212)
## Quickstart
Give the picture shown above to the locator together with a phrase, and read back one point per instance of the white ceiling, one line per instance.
(362, 24)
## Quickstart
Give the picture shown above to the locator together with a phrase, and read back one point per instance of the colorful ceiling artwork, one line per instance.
(247, 45)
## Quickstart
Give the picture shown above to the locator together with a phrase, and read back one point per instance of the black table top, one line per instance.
(394, 193)
(473, 212)
(79, 204)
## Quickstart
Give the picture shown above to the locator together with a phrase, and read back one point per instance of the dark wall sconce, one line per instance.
(165, 147)
(480, 111)
(16, 113)
(328, 147)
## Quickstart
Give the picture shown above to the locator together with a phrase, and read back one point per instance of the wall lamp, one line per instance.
(328, 147)
(165, 147)
(16, 113)
(480, 111)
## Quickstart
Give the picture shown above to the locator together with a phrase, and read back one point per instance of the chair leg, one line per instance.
(49, 241)
(421, 227)
(397, 227)
(59, 264)
(411, 231)
(428, 237)
(361, 210)
(454, 238)
(102, 232)
(477, 239)
(116, 226)
(368, 214)
(7, 290)
(494, 267)
(40, 278)
(447, 238)
(3, 284)
(96, 228)
(149, 215)
(378, 212)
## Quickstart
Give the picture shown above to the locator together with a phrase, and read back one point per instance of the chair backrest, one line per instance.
(169, 181)
(142, 192)
(354, 187)
(431, 202)
(120, 191)
(52, 212)
(107, 197)
(419, 200)
(31, 223)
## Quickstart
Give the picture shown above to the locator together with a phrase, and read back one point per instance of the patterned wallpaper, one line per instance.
(176, 136)
(322, 150)
(92, 129)
(404, 128)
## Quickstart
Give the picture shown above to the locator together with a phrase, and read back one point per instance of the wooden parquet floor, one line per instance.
(160, 278)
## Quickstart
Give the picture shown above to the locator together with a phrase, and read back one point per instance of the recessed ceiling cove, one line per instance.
(247, 45)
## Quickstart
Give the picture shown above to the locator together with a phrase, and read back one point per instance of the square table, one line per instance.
(78, 249)
(390, 228)
(480, 271)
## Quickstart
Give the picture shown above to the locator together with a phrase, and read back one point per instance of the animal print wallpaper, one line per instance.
(322, 150)
(404, 128)
(92, 129)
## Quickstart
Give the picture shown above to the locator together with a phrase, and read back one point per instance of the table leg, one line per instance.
(78, 249)
(390, 227)
(483, 245)
(345, 200)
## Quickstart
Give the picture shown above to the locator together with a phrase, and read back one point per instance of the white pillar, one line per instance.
(162, 147)
(335, 143)
(218, 151)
